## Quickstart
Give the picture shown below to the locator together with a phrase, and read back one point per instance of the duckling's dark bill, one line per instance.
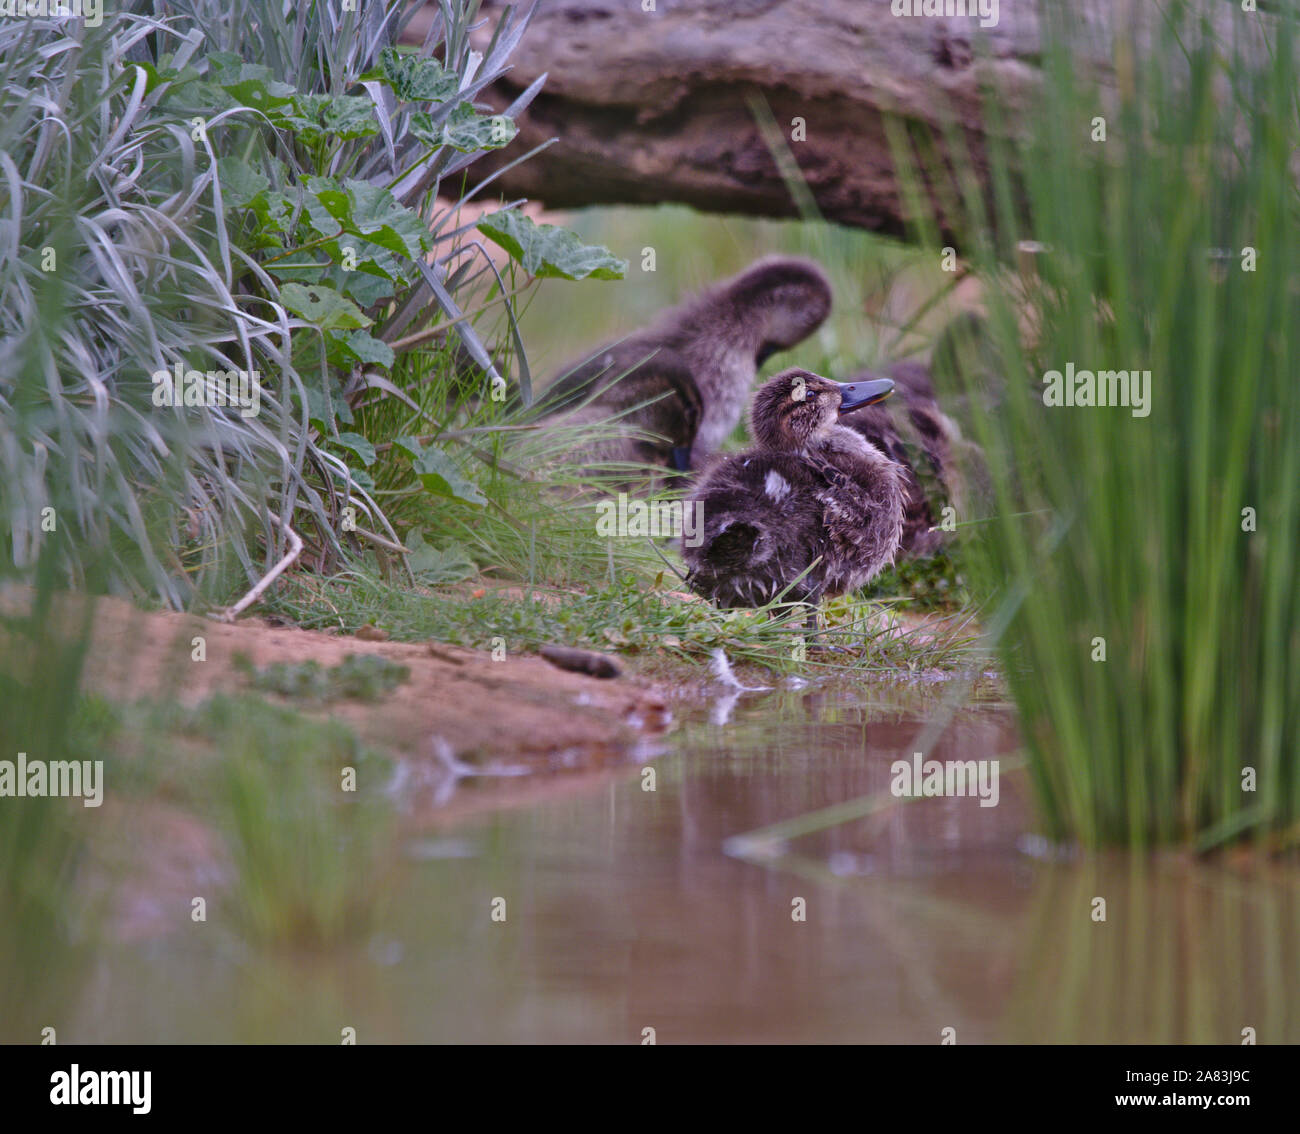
(855, 395)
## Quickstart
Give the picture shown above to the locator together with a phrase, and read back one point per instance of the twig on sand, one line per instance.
(259, 588)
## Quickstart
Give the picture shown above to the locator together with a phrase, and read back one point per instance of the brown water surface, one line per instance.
(624, 911)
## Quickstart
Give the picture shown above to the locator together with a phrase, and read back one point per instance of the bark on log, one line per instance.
(656, 106)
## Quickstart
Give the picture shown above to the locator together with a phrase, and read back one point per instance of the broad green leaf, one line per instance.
(362, 209)
(249, 84)
(264, 241)
(548, 251)
(263, 94)
(241, 185)
(466, 130)
(367, 348)
(323, 306)
(326, 204)
(364, 289)
(440, 475)
(354, 255)
(344, 116)
(324, 409)
(359, 445)
(414, 79)
(307, 131)
(383, 220)
(225, 63)
(430, 564)
(274, 210)
(159, 76)
(346, 348)
(314, 117)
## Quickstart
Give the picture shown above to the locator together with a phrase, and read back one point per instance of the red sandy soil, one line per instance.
(515, 709)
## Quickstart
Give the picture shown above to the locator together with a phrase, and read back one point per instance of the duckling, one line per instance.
(923, 447)
(686, 378)
(812, 496)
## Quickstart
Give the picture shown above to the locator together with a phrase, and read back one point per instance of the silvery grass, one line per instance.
(116, 261)
(1108, 526)
(141, 278)
(108, 270)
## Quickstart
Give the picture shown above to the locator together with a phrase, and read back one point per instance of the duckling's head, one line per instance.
(797, 407)
(781, 300)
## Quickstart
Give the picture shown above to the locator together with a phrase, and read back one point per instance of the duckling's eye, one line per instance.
(810, 396)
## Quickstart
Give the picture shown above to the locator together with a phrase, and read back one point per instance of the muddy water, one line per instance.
(624, 911)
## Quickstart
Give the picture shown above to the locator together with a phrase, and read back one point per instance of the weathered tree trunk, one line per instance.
(653, 106)
(660, 106)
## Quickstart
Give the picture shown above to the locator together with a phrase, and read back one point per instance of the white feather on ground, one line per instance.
(720, 667)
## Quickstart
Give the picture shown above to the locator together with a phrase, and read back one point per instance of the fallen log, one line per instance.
(658, 105)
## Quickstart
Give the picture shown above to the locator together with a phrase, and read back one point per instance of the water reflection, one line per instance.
(622, 912)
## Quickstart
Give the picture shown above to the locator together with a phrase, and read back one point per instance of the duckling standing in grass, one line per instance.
(686, 378)
(813, 498)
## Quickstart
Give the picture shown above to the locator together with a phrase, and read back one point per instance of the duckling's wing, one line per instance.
(862, 516)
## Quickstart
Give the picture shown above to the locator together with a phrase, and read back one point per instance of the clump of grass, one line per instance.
(363, 677)
(1148, 562)
(523, 508)
(634, 617)
(305, 235)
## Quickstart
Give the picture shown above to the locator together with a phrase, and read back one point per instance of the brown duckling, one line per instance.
(811, 496)
(687, 377)
(923, 446)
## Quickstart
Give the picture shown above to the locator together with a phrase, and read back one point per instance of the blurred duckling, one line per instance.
(685, 379)
(812, 498)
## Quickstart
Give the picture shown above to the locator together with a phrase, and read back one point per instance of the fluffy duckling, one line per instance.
(811, 490)
(922, 445)
(687, 377)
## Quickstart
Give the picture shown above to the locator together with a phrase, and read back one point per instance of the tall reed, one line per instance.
(1147, 559)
